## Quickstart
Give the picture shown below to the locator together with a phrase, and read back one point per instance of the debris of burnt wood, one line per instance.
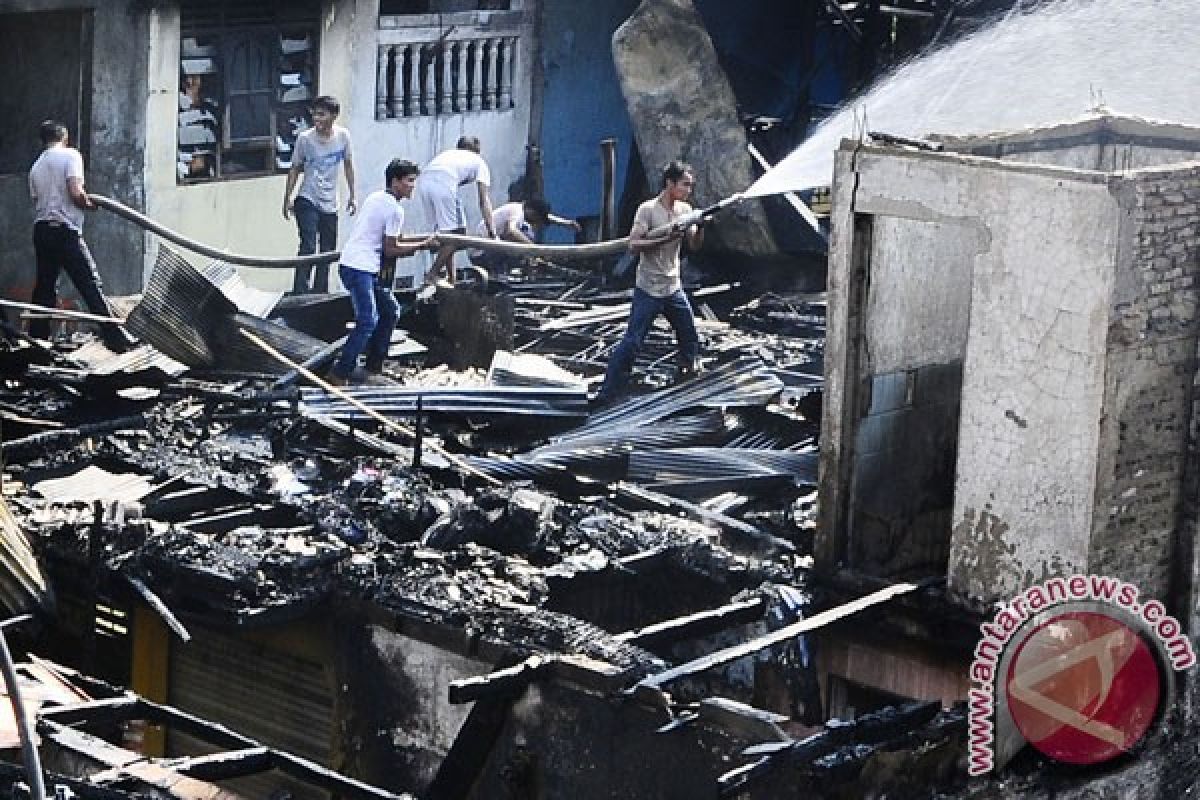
(492, 510)
(82, 721)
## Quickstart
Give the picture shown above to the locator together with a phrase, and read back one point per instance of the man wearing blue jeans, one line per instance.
(317, 153)
(658, 288)
(376, 238)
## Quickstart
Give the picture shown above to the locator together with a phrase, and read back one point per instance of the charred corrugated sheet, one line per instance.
(745, 381)
(235, 352)
(23, 587)
(473, 400)
(184, 311)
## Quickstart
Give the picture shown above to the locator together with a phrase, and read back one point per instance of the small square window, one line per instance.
(246, 79)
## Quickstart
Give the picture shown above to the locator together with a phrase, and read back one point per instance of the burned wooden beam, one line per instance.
(223, 766)
(743, 720)
(63, 437)
(509, 681)
(325, 778)
(730, 654)
(222, 736)
(774, 754)
(106, 709)
(701, 623)
(156, 603)
(125, 764)
(868, 730)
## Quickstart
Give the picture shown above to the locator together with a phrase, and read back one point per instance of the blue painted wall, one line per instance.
(582, 104)
(781, 59)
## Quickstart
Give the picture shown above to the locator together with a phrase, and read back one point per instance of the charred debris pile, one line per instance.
(205, 473)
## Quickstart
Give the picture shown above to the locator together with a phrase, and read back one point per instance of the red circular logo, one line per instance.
(1083, 687)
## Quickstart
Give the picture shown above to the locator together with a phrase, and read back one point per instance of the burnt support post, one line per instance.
(418, 431)
(608, 208)
(534, 182)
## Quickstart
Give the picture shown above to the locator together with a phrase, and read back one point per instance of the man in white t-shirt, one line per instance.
(59, 200)
(316, 154)
(517, 222)
(375, 240)
(440, 180)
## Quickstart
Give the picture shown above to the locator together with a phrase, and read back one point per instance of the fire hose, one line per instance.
(549, 252)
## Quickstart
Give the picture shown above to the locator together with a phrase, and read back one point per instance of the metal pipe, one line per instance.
(29, 752)
(550, 252)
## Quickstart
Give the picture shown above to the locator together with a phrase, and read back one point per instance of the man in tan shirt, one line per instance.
(658, 288)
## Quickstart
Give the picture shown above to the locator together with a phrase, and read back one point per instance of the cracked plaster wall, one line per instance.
(1077, 321)
(1042, 246)
(1033, 385)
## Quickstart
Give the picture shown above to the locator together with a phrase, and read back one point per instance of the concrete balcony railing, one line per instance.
(431, 64)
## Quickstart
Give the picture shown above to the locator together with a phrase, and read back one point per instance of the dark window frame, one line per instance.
(222, 24)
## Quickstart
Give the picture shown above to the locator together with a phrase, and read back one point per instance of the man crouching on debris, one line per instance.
(59, 200)
(658, 289)
(376, 238)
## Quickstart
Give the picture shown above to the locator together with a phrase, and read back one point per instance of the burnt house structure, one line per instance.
(1011, 362)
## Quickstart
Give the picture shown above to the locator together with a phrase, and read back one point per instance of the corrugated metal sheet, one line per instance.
(93, 483)
(184, 309)
(493, 400)
(528, 369)
(274, 697)
(745, 381)
(703, 463)
(22, 586)
(98, 359)
(235, 352)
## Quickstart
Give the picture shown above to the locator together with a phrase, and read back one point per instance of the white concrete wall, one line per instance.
(503, 133)
(920, 291)
(240, 215)
(1034, 371)
(1033, 384)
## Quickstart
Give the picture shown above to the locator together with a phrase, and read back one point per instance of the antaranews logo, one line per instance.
(1077, 667)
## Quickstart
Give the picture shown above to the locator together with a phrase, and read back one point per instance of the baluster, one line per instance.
(505, 98)
(446, 57)
(412, 95)
(493, 82)
(476, 100)
(381, 84)
(460, 80)
(429, 80)
(397, 92)
(511, 51)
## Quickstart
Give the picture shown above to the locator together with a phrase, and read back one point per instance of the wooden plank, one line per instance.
(698, 624)
(731, 654)
(149, 668)
(224, 766)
